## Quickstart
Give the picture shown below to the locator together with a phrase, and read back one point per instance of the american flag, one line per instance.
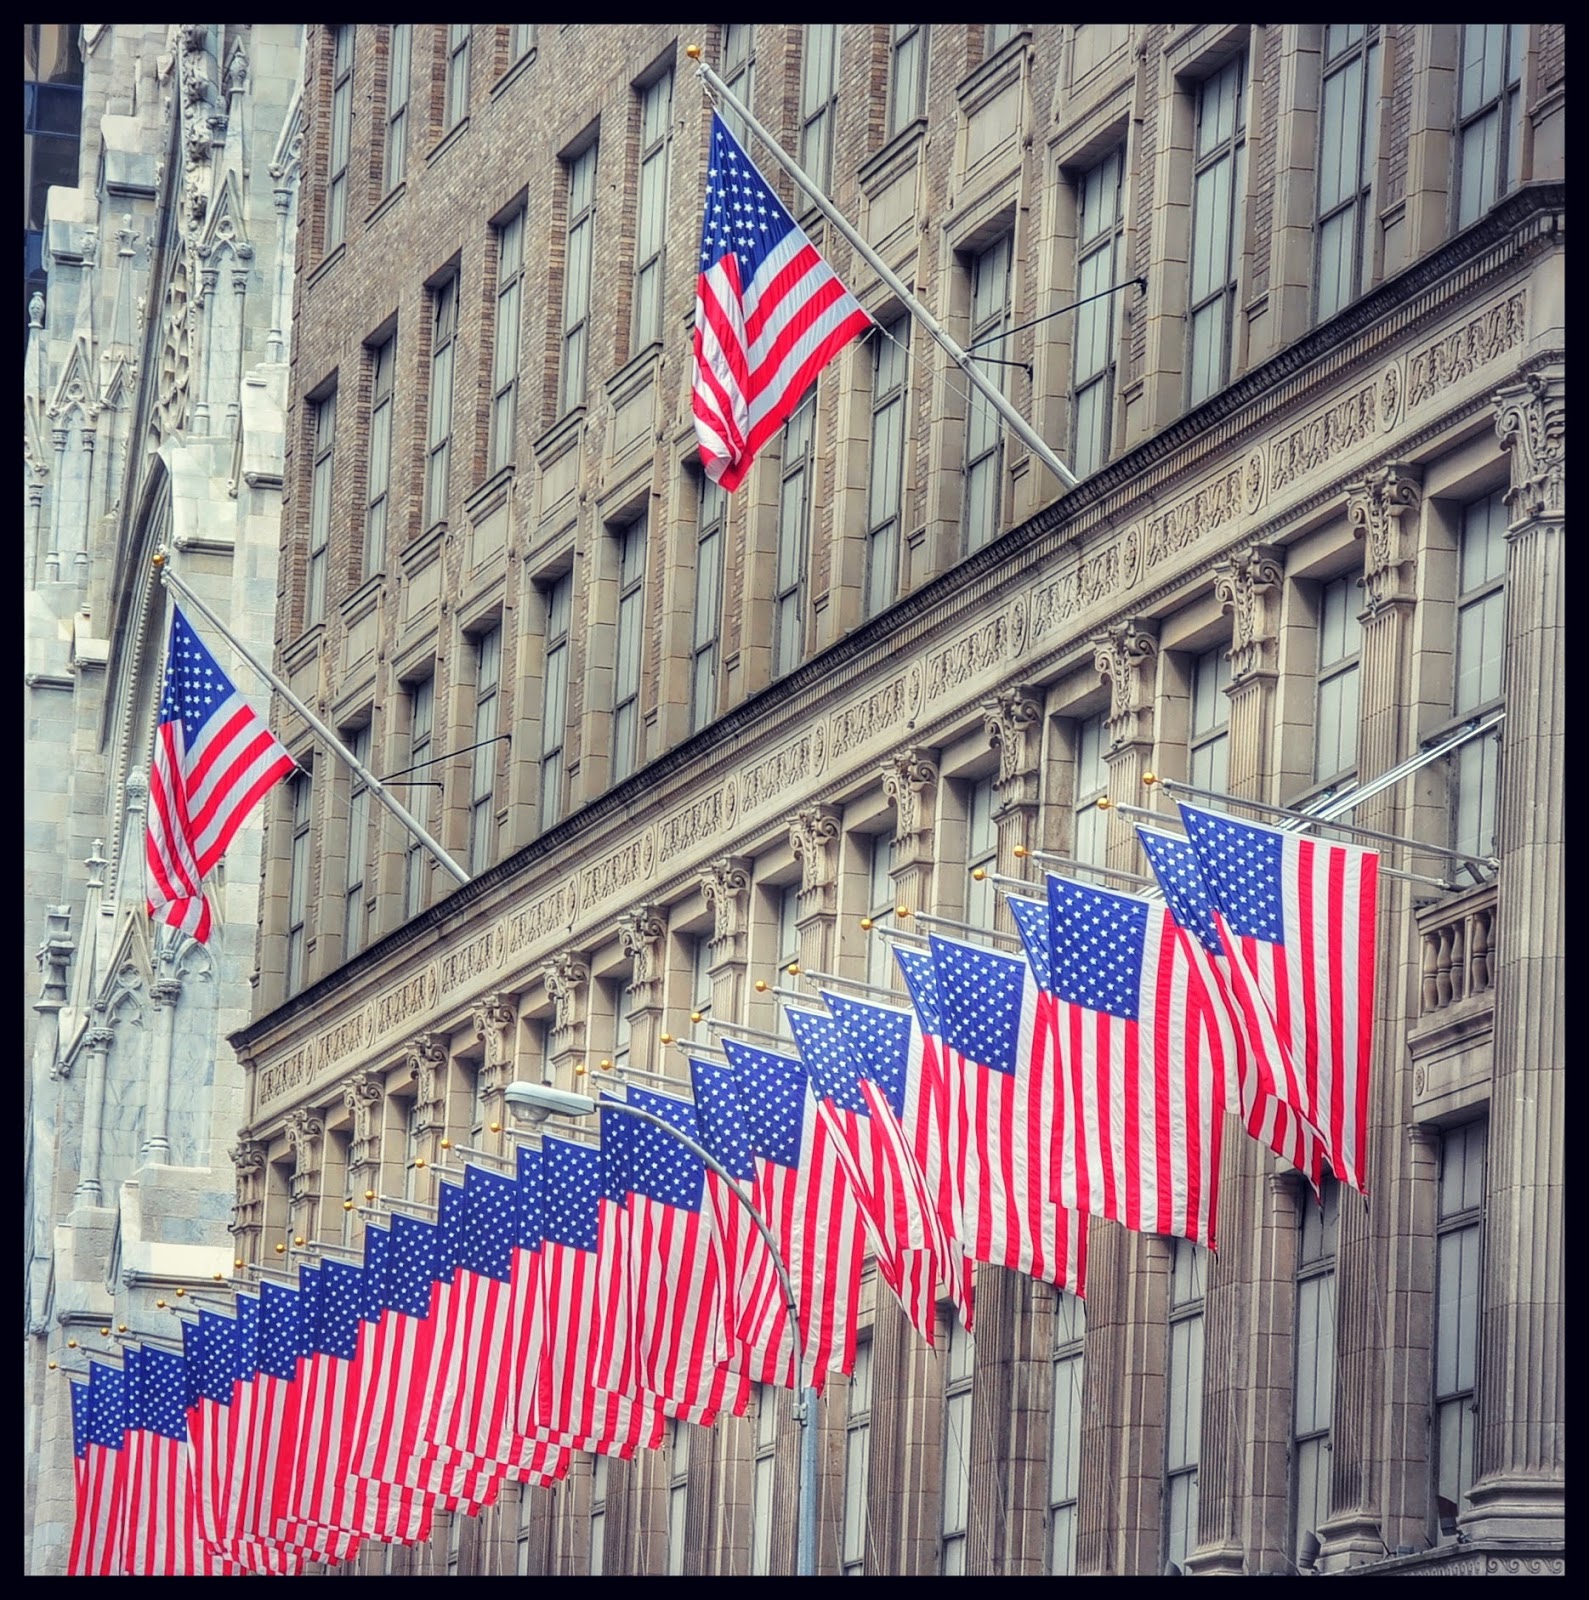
(1256, 1065)
(770, 313)
(1299, 917)
(1001, 1116)
(99, 1417)
(213, 759)
(1142, 1081)
(808, 1201)
(211, 1348)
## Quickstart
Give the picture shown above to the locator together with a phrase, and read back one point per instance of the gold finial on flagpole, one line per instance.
(978, 874)
(867, 924)
(1149, 779)
(1105, 803)
(158, 559)
(1020, 852)
(693, 51)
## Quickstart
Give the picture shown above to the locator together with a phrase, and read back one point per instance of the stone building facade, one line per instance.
(154, 386)
(1290, 298)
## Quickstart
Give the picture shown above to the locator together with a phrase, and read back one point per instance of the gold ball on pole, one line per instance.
(693, 51)
(281, 1249)
(496, 1127)
(867, 924)
(667, 1038)
(1149, 779)
(978, 874)
(347, 1205)
(1020, 852)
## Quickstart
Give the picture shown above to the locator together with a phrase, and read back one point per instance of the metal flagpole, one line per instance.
(378, 789)
(989, 391)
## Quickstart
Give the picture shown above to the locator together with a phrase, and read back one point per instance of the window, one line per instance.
(521, 1543)
(1348, 130)
(421, 714)
(819, 101)
(522, 40)
(576, 276)
(1461, 1229)
(482, 780)
(1209, 762)
(456, 107)
(615, 997)
(298, 866)
(678, 1494)
(956, 1445)
(444, 330)
(907, 76)
(1340, 637)
(982, 848)
(886, 474)
(1090, 839)
(350, 1191)
(794, 521)
(323, 415)
(984, 460)
(477, 1103)
(1098, 225)
(1489, 116)
(700, 952)
(788, 925)
(341, 134)
(1064, 1448)
(383, 363)
(879, 907)
(355, 913)
(505, 346)
(598, 1515)
(1000, 34)
(1183, 1429)
(1314, 1391)
(413, 1147)
(1481, 652)
(1218, 188)
(761, 1484)
(631, 632)
(710, 542)
(399, 65)
(857, 1437)
(554, 697)
(656, 113)
(738, 71)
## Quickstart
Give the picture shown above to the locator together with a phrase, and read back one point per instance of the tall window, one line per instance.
(413, 1147)
(615, 999)
(763, 1460)
(355, 912)
(1218, 189)
(984, 461)
(794, 522)
(324, 415)
(710, 542)
(421, 717)
(576, 276)
(907, 75)
(1461, 1231)
(700, 953)
(886, 475)
(1098, 228)
(554, 697)
(956, 1447)
(678, 1494)
(738, 71)
(598, 1514)
(982, 849)
(383, 363)
(788, 925)
(1064, 1448)
(456, 107)
(444, 331)
(1183, 1429)
(522, 40)
(1210, 733)
(505, 345)
(1490, 116)
(879, 907)
(1000, 34)
(1090, 836)
(656, 113)
(482, 779)
(819, 100)
(298, 868)
(341, 134)
(1340, 639)
(1481, 651)
(631, 636)
(1314, 1391)
(1348, 129)
(857, 1438)
(399, 64)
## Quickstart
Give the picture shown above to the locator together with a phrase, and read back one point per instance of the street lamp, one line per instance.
(530, 1104)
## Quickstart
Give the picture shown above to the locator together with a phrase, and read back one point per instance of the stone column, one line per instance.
(164, 993)
(363, 1095)
(427, 1060)
(910, 780)
(642, 933)
(725, 886)
(814, 833)
(247, 1226)
(494, 1020)
(306, 1138)
(1519, 1492)
(567, 981)
(96, 1042)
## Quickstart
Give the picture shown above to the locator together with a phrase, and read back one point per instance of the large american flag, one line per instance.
(213, 759)
(1257, 1067)
(770, 313)
(1142, 1081)
(99, 1416)
(1300, 917)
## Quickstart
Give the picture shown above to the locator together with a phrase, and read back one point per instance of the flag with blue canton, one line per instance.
(99, 1479)
(879, 1044)
(660, 1167)
(917, 966)
(1031, 922)
(412, 1265)
(724, 1131)
(279, 1309)
(450, 1213)
(772, 1094)
(979, 993)
(825, 1052)
(377, 1262)
(572, 1177)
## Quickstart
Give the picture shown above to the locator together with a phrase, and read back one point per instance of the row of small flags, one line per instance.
(598, 1290)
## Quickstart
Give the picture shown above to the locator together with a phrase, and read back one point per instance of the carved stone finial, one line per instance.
(1124, 655)
(1248, 586)
(1382, 510)
(36, 310)
(1531, 423)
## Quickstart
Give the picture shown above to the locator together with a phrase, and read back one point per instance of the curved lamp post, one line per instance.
(532, 1103)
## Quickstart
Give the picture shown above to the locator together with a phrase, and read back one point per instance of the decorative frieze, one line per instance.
(874, 714)
(789, 767)
(1166, 533)
(552, 912)
(471, 960)
(618, 870)
(1457, 354)
(1322, 438)
(1125, 654)
(985, 648)
(1248, 586)
(698, 822)
(1383, 512)
(1531, 422)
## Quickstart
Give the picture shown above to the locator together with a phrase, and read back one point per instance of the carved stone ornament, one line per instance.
(492, 1018)
(1383, 512)
(567, 980)
(1125, 654)
(814, 838)
(247, 1156)
(725, 886)
(361, 1094)
(910, 780)
(641, 934)
(1248, 586)
(1014, 723)
(1531, 422)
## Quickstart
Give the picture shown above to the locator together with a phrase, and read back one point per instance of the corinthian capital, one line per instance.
(1124, 654)
(1014, 723)
(910, 780)
(1531, 421)
(814, 838)
(1383, 511)
(641, 932)
(1248, 587)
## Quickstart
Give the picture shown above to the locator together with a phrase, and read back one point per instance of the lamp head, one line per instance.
(530, 1104)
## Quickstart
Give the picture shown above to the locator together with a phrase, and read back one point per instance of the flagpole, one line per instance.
(986, 388)
(376, 787)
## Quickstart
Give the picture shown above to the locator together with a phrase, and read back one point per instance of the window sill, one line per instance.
(448, 140)
(326, 265)
(514, 73)
(387, 204)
